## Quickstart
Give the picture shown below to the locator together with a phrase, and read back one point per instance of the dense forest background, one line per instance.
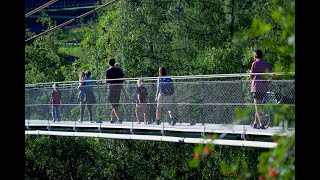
(188, 38)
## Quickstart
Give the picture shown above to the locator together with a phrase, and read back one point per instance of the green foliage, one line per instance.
(71, 51)
(277, 163)
(188, 37)
(43, 61)
(57, 157)
(227, 162)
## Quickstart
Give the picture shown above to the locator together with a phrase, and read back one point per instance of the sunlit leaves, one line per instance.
(260, 28)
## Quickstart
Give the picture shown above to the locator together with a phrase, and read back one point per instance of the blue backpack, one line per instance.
(166, 86)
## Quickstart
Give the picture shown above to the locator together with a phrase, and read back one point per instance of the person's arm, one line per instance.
(122, 85)
(158, 88)
(51, 98)
(252, 70)
(139, 98)
(106, 76)
(138, 91)
(122, 76)
(60, 98)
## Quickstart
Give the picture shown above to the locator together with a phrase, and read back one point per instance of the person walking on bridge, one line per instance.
(114, 89)
(259, 85)
(55, 102)
(89, 99)
(141, 101)
(81, 93)
(165, 90)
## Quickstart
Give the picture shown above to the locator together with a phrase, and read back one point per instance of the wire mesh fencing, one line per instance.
(206, 100)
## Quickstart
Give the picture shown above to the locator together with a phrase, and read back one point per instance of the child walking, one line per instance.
(55, 102)
(141, 101)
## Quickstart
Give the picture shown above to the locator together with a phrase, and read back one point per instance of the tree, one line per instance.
(277, 163)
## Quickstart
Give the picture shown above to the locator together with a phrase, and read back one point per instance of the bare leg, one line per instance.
(53, 113)
(170, 114)
(258, 117)
(113, 115)
(116, 112)
(158, 112)
(137, 114)
(145, 115)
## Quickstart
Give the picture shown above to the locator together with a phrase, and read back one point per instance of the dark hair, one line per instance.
(88, 73)
(112, 61)
(162, 71)
(258, 53)
(55, 85)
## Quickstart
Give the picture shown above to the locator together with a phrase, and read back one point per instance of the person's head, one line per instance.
(162, 71)
(257, 54)
(81, 74)
(55, 86)
(117, 65)
(88, 73)
(140, 82)
(112, 61)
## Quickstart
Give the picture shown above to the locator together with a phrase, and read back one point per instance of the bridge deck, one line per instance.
(214, 102)
(134, 127)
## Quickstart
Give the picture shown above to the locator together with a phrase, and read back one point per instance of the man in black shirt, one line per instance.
(114, 89)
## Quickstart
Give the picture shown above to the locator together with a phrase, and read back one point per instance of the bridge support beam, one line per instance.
(158, 138)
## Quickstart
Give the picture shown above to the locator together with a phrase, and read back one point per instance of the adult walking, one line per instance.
(89, 99)
(56, 102)
(114, 89)
(163, 95)
(259, 85)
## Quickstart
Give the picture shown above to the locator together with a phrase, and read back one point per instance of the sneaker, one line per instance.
(118, 122)
(261, 127)
(157, 122)
(255, 126)
(192, 123)
(173, 122)
(92, 121)
(54, 121)
(113, 121)
(79, 120)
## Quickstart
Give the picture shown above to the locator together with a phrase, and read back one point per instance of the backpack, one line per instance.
(166, 86)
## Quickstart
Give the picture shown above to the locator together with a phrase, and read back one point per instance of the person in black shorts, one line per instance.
(259, 85)
(114, 89)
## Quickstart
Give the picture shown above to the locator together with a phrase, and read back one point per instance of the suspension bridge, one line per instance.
(203, 105)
